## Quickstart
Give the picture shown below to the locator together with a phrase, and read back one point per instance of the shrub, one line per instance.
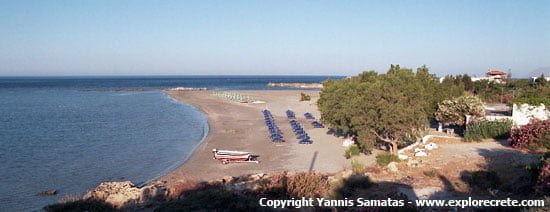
(487, 129)
(78, 204)
(182, 187)
(543, 181)
(431, 173)
(483, 180)
(384, 159)
(357, 167)
(352, 186)
(304, 97)
(353, 150)
(530, 134)
(211, 199)
(303, 184)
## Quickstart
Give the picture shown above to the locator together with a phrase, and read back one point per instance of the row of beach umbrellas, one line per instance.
(233, 96)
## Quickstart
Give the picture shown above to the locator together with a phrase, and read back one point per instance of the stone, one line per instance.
(347, 173)
(421, 154)
(257, 176)
(403, 157)
(431, 146)
(51, 192)
(347, 143)
(392, 167)
(227, 179)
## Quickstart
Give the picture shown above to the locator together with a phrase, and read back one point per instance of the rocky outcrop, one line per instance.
(123, 194)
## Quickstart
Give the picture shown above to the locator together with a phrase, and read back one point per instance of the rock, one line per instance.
(402, 157)
(51, 192)
(421, 154)
(347, 173)
(227, 179)
(120, 194)
(347, 143)
(392, 167)
(257, 176)
(431, 146)
(418, 150)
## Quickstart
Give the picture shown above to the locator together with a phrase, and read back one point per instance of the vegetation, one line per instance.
(532, 134)
(455, 111)
(543, 182)
(304, 184)
(431, 173)
(394, 107)
(483, 180)
(304, 97)
(383, 159)
(212, 199)
(357, 167)
(353, 150)
(80, 205)
(483, 129)
(495, 92)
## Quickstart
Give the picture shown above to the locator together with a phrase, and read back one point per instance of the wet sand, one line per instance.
(238, 126)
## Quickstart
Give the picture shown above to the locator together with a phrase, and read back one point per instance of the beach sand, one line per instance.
(238, 126)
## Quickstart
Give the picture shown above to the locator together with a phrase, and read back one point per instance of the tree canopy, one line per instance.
(390, 107)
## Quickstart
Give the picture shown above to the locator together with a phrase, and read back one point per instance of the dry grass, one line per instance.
(181, 187)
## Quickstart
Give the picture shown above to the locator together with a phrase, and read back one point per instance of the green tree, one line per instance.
(385, 107)
(454, 111)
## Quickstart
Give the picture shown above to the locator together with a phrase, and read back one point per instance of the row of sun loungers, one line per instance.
(275, 133)
(300, 132)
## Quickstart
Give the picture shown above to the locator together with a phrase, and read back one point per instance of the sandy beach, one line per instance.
(238, 126)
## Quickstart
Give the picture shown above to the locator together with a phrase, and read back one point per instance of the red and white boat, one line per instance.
(227, 156)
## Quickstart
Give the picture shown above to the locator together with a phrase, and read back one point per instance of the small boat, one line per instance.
(227, 156)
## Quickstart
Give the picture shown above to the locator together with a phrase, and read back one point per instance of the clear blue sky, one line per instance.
(271, 37)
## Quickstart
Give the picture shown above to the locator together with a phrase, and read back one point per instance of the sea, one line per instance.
(71, 133)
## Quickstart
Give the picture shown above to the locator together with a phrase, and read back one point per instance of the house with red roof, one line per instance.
(493, 75)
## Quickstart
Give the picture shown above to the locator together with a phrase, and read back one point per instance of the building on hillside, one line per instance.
(494, 75)
(547, 77)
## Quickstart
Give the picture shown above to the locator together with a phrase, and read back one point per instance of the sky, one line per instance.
(133, 37)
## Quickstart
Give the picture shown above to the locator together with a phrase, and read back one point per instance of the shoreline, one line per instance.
(206, 134)
(236, 126)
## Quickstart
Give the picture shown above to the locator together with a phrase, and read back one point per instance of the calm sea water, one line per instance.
(71, 133)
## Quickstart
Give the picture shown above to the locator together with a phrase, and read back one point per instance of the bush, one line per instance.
(483, 180)
(353, 150)
(80, 205)
(487, 129)
(384, 159)
(431, 173)
(531, 134)
(304, 97)
(352, 186)
(543, 182)
(357, 167)
(303, 184)
(211, 199)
